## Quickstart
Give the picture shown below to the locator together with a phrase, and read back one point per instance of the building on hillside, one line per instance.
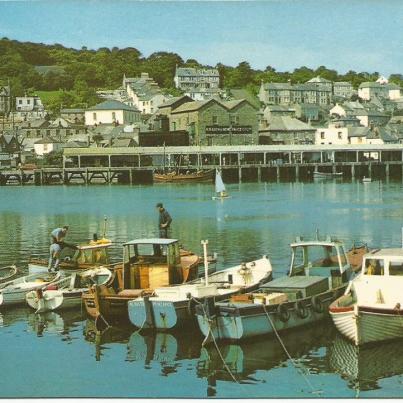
(46, 146)
(73, 115)
(111, 112)
(367, 90)
(368, 117)
(29, 107)
(343, 89)
(321, 83)
(5, 99)
(216, 122)
(169, 105)
(198, 83)
(9, 142)
(144, 93)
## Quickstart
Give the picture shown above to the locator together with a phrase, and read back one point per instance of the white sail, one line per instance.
(219, 184)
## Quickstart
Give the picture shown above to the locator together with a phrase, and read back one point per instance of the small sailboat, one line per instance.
(220, 190)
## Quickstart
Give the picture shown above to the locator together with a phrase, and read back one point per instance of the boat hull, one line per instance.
(54, 300)
(363, 325)
(206, 176)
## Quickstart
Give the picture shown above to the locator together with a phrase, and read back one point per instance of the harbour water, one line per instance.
(60, 355)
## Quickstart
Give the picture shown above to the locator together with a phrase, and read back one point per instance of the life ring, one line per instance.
(301, 310)
(283, 313)
(317, 304)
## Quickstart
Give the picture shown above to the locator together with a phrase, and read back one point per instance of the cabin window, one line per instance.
(396, 268)
(374, 267)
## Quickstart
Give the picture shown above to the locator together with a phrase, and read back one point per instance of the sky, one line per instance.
(360, 35)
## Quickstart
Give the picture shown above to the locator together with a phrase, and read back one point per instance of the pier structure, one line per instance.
(237, 163)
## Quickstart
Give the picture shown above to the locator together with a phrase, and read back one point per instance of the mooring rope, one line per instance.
(288, 354)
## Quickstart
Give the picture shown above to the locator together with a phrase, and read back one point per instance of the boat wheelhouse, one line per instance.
(147, 264)
(371, 309)
(319, 273)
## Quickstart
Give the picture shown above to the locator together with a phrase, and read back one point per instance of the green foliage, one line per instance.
(54, 158)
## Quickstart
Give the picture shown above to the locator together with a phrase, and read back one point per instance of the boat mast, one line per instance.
(105, 221)
(204, 243)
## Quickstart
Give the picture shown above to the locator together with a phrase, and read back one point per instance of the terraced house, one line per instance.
(216, 122)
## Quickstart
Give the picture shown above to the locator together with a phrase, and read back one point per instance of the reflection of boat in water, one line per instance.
(364, 366)
(244, 359)
(52, 322)
(164, 348)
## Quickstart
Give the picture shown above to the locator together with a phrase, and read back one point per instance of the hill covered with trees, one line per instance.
(75, 74)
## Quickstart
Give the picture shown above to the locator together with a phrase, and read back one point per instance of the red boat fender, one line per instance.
(51, 287)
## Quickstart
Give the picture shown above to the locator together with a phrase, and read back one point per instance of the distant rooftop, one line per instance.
(111, 104)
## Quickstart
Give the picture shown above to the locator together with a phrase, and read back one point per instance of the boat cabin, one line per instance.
(383, 262)
(93, 254)
(151, 263)
(320, 258)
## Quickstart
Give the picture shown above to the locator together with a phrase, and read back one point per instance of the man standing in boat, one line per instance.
(57, 243)
(164, 221)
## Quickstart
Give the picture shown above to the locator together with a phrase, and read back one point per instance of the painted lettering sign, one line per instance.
(228, 129)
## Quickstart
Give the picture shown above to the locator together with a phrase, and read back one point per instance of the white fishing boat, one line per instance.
(14, 291)
(220, 190)
(174, 306)
(67, 292)
(319, 273)
(371, 308)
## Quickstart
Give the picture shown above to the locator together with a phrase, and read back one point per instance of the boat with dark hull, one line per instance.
(319, 273)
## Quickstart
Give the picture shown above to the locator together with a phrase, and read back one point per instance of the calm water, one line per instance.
(56, 355)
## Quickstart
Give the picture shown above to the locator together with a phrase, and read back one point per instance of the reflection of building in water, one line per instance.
(364, 366)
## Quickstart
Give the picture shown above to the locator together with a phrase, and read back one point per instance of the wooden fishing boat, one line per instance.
(319, 273)
(185, 177)
(174, 306)
(8, 273)
(73, 259)
(66, 293)
(147, 264)
(13, 292)
(371, 309)
(327, 175)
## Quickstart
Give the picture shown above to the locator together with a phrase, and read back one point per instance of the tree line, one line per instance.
(83, 71)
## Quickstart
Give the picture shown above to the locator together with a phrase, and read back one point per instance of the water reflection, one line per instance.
(166, 349)
(364, 366)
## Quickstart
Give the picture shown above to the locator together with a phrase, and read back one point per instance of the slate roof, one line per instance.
(47, 140)
(110, 105)
(287, 123)
(192, 71)
(278, 86)
(72, 110)
(357, 131)
(318, 79)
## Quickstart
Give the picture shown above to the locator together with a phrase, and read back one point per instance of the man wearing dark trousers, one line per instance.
(164, 221)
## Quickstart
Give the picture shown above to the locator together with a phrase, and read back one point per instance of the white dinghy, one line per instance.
(67, 292)
(13, 292)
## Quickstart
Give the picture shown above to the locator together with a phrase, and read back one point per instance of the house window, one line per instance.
(173, 126)
(234, 119)
(215, 120)
(28, 101)
(322, 135)
(339, 135)
(20, 101)
(94, 116)
(45, 147)
(113, 116)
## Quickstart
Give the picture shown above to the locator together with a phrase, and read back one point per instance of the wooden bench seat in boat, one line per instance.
(135, 293)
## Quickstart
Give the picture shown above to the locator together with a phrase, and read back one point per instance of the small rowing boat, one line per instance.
(187, 177)
(13, 292)
(67, 292)
(8, 273)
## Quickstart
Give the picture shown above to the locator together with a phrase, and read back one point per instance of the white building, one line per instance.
(111, 112)
(197, 83)
(383, 90)
(333, 134)
(46, 145)
(30, 107)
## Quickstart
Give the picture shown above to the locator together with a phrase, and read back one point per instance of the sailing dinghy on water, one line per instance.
(220, 190)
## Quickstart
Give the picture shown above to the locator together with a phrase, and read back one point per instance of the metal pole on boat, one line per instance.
(105, 220)
(204, 243)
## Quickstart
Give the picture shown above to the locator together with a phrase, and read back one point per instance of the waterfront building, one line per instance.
(278, 125)
(216, 122)
(169, 105)
(46, 145)
(111, 112)
(5, 99)
(198, 83)
(333, 134)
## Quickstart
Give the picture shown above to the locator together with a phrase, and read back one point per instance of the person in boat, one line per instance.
(58, 235)
(164, 221)
(54, 258)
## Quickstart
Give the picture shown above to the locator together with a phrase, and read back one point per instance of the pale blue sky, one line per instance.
(363, 35)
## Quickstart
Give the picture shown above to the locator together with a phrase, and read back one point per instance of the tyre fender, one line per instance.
(317, 304)
(283, 313)
(301, 310)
